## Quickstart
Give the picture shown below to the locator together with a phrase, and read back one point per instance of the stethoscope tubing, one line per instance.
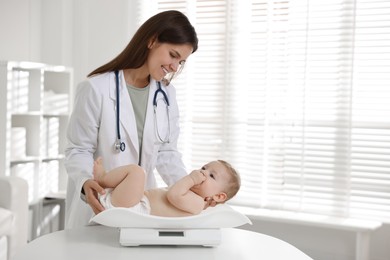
(159, 89)
(119, 144)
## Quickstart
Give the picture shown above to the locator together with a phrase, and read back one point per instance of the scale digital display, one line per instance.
(146, 236)
(171, 233)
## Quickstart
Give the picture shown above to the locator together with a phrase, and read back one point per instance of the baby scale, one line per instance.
(136, 229)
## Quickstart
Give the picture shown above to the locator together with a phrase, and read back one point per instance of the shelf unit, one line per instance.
(35, 105)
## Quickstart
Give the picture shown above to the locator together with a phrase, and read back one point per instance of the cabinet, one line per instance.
(35, 104)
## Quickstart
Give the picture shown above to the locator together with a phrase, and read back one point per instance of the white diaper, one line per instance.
(142, 207)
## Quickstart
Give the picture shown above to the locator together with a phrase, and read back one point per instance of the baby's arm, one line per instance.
(180, 195)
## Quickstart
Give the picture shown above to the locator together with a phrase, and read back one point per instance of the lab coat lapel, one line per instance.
(127, 117)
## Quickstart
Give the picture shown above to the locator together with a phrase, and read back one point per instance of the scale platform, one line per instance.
(148, 236)
(140, 229)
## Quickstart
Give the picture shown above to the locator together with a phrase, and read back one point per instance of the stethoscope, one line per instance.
(119, 145)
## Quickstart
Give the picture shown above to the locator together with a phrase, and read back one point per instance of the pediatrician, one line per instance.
(126, 112)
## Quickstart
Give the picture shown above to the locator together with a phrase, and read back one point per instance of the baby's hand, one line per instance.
(197, 176)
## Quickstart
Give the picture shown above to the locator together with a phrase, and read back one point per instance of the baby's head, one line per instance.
(234, 183)
(221, 184)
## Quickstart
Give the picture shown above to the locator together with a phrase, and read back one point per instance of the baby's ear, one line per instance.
(220, 197)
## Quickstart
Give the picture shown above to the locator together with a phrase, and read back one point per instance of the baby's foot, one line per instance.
(98, 169)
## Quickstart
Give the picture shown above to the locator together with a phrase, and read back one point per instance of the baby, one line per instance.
(124, 186)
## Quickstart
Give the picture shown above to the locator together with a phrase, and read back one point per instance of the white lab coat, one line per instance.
(92, 133)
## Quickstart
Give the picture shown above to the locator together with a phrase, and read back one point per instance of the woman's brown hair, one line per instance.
(167, 27)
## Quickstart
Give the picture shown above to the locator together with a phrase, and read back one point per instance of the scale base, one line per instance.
(149, 236)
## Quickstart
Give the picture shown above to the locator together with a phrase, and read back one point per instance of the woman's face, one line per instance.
(165, 58)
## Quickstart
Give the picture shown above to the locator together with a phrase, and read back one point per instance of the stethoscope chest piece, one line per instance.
(119, 146)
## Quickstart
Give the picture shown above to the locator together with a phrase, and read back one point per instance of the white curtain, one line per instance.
(296, 95)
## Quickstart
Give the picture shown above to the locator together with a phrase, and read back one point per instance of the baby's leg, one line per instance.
(127, 182)
(112, 178)
(130, 190)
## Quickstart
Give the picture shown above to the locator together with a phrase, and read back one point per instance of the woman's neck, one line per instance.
(136, 78)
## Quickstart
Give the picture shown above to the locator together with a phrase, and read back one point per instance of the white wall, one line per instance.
(80, 34)
(86, 34)
(17, 36)
(101, 30)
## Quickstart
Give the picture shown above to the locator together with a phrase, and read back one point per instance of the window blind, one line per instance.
(295, 94)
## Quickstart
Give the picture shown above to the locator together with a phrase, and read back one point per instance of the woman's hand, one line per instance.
(91, 190)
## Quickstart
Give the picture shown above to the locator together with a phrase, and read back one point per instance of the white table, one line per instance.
(101, 242)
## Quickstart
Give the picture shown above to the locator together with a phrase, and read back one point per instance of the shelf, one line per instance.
(54, 158)
(28, 113)
(26, 159)
(35, 105)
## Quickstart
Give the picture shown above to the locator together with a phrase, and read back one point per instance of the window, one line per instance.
(296, 95)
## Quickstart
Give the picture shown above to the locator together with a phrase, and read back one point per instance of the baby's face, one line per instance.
(217, 179)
